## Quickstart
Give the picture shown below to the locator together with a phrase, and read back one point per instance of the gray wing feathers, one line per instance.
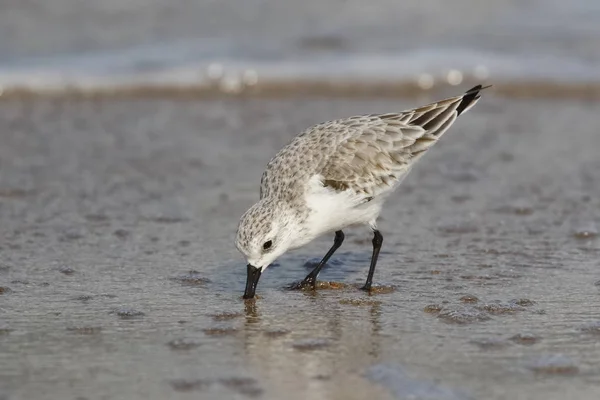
(387, 145)
(366, 153)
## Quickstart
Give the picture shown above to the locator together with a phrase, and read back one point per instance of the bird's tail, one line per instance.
(470, 98)
(436, 118)
(431, 121)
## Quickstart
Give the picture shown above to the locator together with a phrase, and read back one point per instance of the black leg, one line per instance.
(311, 279)
(377, 242)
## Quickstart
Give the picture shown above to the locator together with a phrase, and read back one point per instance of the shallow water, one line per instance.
(120, 279)
(540, 47)
(118, 273)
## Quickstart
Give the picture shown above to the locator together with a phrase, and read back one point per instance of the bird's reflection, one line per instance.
(314, 343)
(251, 312)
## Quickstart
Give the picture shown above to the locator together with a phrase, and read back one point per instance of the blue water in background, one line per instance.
(248, 41)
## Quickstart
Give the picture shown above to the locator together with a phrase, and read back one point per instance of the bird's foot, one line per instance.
(309, 283)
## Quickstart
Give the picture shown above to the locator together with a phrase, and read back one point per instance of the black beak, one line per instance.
(252, 281)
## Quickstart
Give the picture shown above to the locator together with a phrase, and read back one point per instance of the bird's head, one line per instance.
(265, 232)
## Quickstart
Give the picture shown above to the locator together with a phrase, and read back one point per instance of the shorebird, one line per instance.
(338, 174)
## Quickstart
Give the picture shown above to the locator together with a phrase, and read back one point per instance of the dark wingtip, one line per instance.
(469, 97)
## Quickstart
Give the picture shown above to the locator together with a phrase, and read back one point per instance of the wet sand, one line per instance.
(119, 277)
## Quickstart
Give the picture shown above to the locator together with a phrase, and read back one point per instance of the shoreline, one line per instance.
(308, 87)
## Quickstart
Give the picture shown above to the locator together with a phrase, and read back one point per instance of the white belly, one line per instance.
(332, 211)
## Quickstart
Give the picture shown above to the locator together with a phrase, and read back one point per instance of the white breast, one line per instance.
(333, 210)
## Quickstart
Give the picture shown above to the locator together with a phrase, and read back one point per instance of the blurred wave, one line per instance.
(534, 48)
(173, 70)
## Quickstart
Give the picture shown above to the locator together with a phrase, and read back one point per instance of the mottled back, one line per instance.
(367, 154)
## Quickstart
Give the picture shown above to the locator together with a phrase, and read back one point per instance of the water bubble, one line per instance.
(586, 231)
(250, 77)
(433, 308)
(469, 298)
(525, 339)
(63, 269)
(425, 81)
(231, 84)
(215, 71)
(454, 77)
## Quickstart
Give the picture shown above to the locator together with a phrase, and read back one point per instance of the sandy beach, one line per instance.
(120, 279)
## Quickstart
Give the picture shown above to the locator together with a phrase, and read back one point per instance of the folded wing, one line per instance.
(386, 146)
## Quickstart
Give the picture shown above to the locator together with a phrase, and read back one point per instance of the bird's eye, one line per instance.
(267, 245)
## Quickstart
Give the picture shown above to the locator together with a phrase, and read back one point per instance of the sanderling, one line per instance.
(337, 174)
